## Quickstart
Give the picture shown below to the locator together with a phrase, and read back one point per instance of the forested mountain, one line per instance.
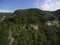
(28, 27)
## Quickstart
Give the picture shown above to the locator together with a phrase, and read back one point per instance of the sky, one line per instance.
(12, 5)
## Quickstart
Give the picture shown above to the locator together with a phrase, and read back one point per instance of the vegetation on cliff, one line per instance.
(28, 28)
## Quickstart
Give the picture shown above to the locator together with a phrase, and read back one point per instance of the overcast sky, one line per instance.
(12, 5)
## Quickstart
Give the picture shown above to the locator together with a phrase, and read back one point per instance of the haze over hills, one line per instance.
(29, 27)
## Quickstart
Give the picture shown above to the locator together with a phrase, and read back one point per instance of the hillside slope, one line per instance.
(27, 27)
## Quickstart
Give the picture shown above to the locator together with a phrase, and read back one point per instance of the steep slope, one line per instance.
(27, 27)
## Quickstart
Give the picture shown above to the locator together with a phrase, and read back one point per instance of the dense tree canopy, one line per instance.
(23, 24)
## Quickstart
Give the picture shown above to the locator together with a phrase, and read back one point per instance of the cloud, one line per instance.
(6, 10)
(37, 3)
(50, 5)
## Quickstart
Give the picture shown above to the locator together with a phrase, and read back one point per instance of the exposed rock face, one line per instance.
(31, 25)
(55, 22)
(34, 26)
(10, 37)
(2, 18)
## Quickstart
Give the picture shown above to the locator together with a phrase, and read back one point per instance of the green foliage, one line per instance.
(4, 34)
(44, 35)
(57, 13)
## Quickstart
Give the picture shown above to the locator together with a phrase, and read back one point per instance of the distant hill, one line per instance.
(28, 27)
(5, 14)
